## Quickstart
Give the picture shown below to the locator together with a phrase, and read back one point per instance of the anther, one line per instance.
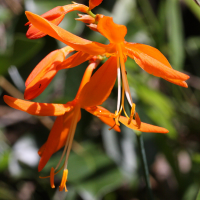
(132, 113)
(52, 178)
(63, 181)
(117, 115)
(137, 119)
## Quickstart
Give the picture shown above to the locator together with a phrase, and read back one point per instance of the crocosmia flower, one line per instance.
(92, 92)
(147, 57)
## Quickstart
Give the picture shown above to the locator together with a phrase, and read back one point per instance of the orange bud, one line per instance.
(87, 19)
(93, 27)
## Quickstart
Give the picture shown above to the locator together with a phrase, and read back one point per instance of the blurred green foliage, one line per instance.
(104, 164)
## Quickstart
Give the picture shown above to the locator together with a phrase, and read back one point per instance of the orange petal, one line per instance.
(177, 82)
(143, 127)
(61, 137)
(153, 61)
(57, 138)
(86, 77)
(55, 16)
(52, 142)
(41, 109)
(104, 115)
(115, 33)
(94, 3)
(34, 33)
(97, 90)
(74, 60)
(41, 149)
(43, 73)
(68, 38)
(50, 61)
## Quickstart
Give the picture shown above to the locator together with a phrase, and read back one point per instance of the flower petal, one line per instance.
(55, 16)
(153, 61)
(57, 137)
(74, 60)
(94, 3)
(177, 82)
(43, 73)
(97, 90)
(52, 142)
(104, 115)
(68, 38)
(143, 127)
(115, 33)
(50, 61)
(87, 75)
(34, 33)
(41, 109)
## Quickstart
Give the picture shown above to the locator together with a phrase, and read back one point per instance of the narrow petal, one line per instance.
(115, 33)
(52, 142)
(104, 115)
(52, 59)
(57, 138)
(41, 109)
(43, 73)
(86, 77)
(177, 82)
(55, 16)
(153, 61)
(94, 3)
(143, 127)
(68, 38)
(74, 60)
(97, 90)
(34, 33)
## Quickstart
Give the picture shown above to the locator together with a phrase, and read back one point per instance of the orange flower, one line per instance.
(55, 16)
(92, 92)
(45, 71)
(147, 57)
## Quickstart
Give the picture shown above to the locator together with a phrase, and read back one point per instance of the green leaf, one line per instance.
(19, 53)
(97, 187)
(175, 34)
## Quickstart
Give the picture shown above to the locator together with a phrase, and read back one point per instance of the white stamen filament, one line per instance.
(119, 85)
(124, 77)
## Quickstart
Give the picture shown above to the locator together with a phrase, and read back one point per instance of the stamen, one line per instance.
(124, 77)
(132, 113)
(63, 181)
(52, 178)
(119, 85)
(72, 132)
(117, 115)
(137, 119)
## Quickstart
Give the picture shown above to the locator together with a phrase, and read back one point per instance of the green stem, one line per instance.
(89, 12)
(144, 164)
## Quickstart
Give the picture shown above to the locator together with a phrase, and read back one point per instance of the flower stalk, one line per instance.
(144, 164)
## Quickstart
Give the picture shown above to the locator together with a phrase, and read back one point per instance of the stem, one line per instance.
(144, 164)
